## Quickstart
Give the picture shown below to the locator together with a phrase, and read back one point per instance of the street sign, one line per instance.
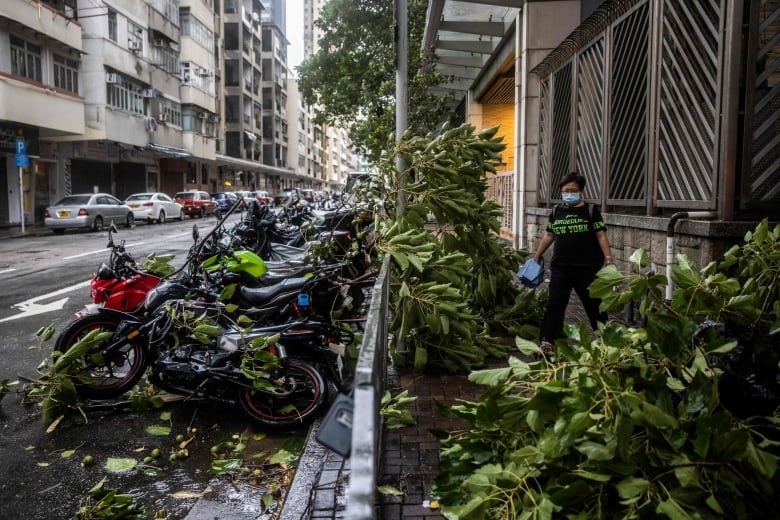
(21, 146)
(22, 161)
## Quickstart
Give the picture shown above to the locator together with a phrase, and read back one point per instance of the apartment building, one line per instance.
(117, 96)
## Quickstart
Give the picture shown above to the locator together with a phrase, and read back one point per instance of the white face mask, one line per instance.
(571, 198)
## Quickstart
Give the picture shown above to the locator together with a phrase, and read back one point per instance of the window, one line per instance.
(112, 25)
(170, 111)
(125, 94)
(25, 59)
(194, 28)
(66, 73)
(135, 36)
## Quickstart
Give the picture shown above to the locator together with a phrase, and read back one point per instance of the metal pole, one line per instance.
(21, 198)
(401, 94)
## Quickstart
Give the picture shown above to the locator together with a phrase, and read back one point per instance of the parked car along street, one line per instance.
(154, 206)
(196, 203)
(263, 197)
(224, 200)
(87, 210)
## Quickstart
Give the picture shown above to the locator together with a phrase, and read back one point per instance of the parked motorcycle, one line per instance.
(119, 283)
(194, 349)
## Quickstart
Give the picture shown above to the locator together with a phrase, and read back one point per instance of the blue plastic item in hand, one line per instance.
(531, 274)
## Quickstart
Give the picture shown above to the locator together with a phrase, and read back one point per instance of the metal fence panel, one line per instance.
(561, 126)
(763, 138)
(544, 139)
(689, 102)
(589, 133)
(629, 107)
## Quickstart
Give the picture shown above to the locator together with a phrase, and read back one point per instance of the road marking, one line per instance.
(7, 270)
(32, 308)
(95, 252)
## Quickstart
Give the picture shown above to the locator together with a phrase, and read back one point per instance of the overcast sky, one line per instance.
(294, 33)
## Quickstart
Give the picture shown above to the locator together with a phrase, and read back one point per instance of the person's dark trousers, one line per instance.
(562, 281)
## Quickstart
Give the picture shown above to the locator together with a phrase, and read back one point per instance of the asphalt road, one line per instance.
(44, 281)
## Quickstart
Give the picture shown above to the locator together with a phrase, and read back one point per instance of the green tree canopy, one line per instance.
(351, 79)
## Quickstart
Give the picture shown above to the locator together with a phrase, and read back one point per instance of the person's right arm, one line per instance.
(545, 244)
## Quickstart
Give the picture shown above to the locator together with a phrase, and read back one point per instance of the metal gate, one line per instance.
(639, 100)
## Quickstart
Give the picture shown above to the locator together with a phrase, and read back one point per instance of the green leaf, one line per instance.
(683, 274)
(227, 292)
(632, 486)
(159, 430)
(672, 509)
(491, 377)
(118, 465)
(687, 476)
(713, 504)
(639, 259)
(390, 490)
(67, 453)
(595, 451)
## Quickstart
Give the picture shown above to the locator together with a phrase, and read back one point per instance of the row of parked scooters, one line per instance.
(257, 317)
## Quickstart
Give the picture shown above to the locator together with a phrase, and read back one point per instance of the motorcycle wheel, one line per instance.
(95, 376)
(307, 395)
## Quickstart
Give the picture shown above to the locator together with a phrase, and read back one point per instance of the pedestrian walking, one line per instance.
(581, 249)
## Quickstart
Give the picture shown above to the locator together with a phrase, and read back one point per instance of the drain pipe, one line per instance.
(670, 243)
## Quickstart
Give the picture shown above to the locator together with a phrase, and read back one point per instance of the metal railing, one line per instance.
(367, 391)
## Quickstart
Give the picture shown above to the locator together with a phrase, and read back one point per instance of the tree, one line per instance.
(351, 79)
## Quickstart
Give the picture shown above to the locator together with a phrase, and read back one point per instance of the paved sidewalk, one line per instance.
(29, 231)
(410, 455)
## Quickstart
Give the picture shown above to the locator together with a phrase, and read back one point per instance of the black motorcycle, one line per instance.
(191, 348)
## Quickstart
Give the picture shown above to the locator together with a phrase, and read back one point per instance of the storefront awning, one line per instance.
(252, 166)
(170, 150)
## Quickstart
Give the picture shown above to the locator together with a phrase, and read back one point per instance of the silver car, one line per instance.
(87, 210)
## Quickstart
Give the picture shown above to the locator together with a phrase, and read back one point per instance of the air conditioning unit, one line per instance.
(203, 115)
(134, 45)
(163, 118)
(186, 75)
(149, 93)
(214, 119)
(113, 77)
(69, 12)
(159, 42)
(204, 72)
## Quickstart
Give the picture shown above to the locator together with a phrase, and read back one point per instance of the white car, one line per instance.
(154, 206)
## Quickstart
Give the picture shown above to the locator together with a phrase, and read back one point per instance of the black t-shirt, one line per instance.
(575, 235)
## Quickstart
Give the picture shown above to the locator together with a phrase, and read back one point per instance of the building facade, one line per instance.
(123, 97)
(668, 107)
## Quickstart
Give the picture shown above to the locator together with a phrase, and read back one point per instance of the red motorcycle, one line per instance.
(118, 284)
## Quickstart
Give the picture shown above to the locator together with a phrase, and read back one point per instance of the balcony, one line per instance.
(44, 20)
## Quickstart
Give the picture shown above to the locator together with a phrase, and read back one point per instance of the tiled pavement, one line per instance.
(410, 455)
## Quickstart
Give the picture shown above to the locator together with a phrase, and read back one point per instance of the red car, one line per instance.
(263, 197)
(196, 203)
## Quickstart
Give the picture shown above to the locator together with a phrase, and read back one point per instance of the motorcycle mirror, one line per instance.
(111, 230)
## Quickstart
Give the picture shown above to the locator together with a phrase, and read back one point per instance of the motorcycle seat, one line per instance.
(260, 295)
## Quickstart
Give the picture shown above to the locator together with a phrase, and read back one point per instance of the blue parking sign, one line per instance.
(21, 146)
